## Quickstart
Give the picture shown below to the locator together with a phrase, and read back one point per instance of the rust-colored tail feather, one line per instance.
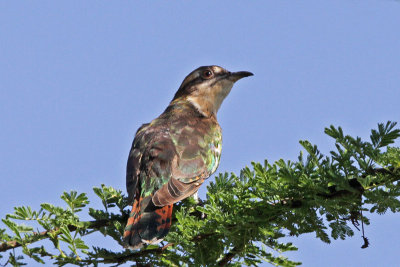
(147, 224)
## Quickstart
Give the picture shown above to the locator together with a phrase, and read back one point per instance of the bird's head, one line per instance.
(206, 87)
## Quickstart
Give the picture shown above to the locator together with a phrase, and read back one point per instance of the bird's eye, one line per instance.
(207, 74)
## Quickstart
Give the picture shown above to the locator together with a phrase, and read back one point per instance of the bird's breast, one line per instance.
(215, 151)
(198, 145)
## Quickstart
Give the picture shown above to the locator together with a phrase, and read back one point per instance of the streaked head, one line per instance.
(207, 86)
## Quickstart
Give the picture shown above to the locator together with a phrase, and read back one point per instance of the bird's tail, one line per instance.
(147, 224)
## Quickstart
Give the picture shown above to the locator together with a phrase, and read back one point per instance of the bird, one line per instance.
(172, 155)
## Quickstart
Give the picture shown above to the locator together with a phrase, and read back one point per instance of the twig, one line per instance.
(228, 256)
(37, 236)
(135, 255)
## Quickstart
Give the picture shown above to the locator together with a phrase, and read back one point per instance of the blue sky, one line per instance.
(77, 78)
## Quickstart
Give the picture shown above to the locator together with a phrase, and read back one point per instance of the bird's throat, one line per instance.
(203, 105)
(208, 101)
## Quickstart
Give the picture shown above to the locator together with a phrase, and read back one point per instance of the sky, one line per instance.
(77, 78)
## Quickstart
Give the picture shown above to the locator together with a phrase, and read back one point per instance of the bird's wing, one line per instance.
(194, 160)
(133, 165)
(169, 167)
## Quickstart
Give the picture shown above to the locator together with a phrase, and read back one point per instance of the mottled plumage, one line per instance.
(172, 155)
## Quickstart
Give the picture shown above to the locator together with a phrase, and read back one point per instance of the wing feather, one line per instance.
(170, 164)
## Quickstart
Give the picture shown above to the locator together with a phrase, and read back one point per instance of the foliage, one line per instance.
(243, 218)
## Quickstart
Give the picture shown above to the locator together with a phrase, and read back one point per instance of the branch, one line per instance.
(37, 236)
(135, 255)
(228, 256)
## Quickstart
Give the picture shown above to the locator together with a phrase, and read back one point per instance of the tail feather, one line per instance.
(164, 220)
(131, 236)
(147, 224)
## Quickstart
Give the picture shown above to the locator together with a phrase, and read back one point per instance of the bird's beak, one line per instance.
(235, 76)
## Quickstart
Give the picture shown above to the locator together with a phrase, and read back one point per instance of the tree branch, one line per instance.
(228, 256)
(135, 255)
(37, 236)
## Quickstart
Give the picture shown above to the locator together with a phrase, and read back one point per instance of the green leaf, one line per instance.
(75, 201)
(385, 135)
